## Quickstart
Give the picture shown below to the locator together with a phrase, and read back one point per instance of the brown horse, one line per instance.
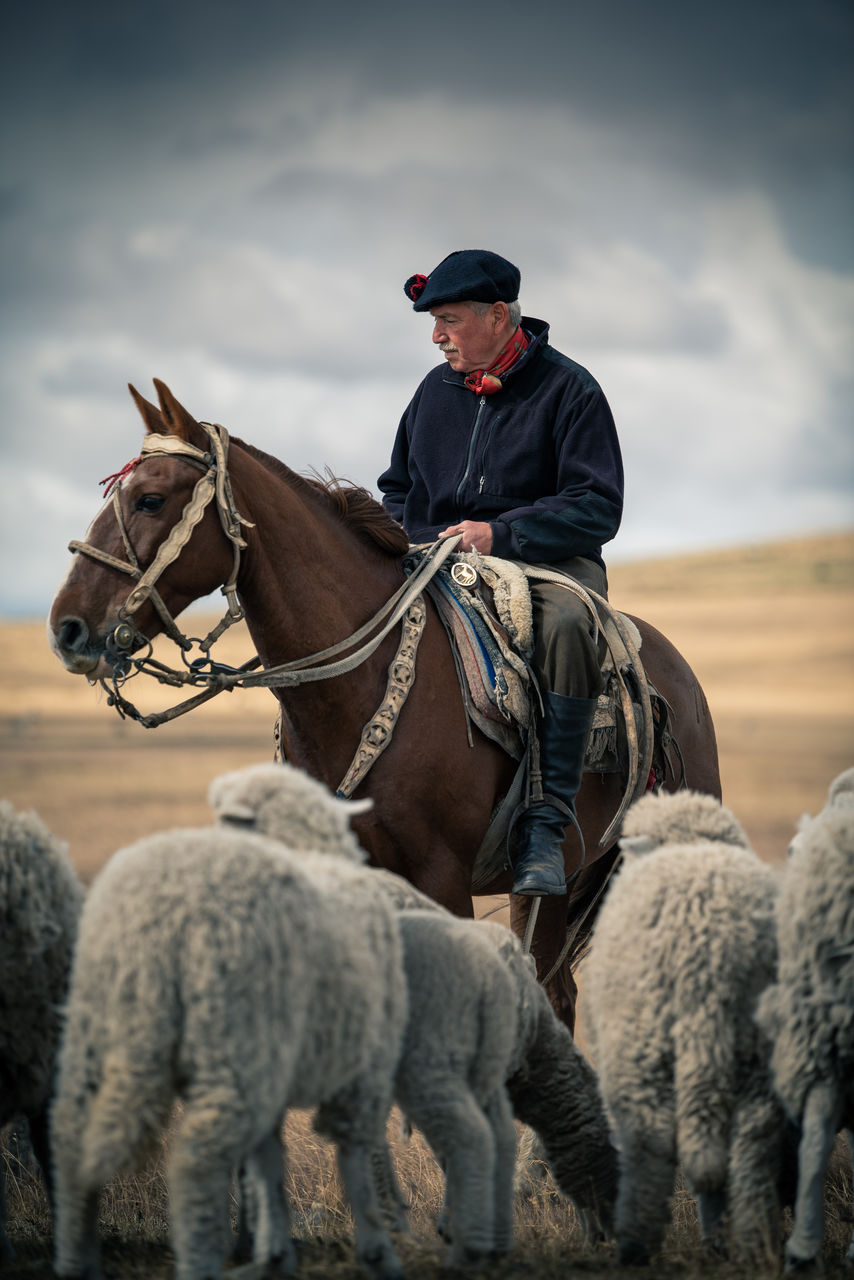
(319, 560)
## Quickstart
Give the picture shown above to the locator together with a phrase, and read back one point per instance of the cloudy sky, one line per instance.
(229, 194)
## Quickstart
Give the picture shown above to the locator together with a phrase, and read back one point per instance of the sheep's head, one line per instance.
(840, 799)
(827, 840)
(841, 793)
(280, 801)
(680, 817)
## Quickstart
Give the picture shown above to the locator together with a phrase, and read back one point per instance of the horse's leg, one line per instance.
(424, 860)
(546, 944)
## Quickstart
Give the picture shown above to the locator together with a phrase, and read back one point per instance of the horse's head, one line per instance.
(127, 547)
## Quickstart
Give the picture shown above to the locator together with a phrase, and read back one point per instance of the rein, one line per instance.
(219, 678)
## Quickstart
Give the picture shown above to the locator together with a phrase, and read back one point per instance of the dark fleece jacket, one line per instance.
(539, 459)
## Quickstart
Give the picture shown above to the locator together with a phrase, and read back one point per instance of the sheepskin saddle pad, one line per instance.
(485, 605)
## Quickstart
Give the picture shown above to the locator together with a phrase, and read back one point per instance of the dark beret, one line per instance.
(468, 275)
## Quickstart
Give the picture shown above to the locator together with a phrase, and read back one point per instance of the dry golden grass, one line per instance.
(549, 1238)
(770, 634)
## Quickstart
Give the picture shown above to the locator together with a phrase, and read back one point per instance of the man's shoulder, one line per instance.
(559, 364)
(571, 367)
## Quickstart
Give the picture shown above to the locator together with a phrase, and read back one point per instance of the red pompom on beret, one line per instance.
(467, 275)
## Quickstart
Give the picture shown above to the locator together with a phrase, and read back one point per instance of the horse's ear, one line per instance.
(178, 422)
(150, 413)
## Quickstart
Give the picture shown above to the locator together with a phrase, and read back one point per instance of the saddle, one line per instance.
(484, 604)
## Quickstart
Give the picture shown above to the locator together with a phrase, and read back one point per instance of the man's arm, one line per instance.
(586, 508)
(395, 482)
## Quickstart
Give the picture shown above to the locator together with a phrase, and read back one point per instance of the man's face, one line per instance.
(469, 341)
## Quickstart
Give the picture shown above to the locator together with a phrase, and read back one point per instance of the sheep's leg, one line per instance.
(754, 1166)
(241, 1250)
(647, 1161)
(849, 1256)
(210, 1142)
(710, 1211)
(77, 1245)
(373, 1243)
(820, 1125)
(463, 1142)
(391, 1198)
(40, 1142)
(6, 1250)
(262, 1178)
(500, 1116)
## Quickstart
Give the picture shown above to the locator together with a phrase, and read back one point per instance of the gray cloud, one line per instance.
(230, 197)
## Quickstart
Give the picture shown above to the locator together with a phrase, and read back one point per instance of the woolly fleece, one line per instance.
(40, 901)
(683, 947)
(809, 1012)
(216, 968)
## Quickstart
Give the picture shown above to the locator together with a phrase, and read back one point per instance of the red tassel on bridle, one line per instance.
(112, 481)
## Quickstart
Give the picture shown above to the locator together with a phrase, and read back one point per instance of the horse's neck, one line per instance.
(310, 581)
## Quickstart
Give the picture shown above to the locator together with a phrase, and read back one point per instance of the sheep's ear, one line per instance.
(238, 815)
(355, 807)
(637, 844)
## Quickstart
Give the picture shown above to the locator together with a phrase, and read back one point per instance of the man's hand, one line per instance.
(477, 535)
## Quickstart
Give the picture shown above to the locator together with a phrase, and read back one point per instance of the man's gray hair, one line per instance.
(514, 310)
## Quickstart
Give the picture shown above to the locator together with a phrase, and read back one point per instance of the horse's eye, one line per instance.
(150, 502)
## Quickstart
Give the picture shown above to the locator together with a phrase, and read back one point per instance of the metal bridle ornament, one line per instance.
(214, 482)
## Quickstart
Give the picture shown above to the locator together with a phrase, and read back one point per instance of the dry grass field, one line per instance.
(769, 631)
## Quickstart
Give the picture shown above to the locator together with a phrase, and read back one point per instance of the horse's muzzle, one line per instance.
(69, 640)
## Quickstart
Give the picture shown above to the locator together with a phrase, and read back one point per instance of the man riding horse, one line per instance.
(513, 445)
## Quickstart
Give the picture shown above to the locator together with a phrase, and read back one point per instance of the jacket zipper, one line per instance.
(470, 458)
(492, 423)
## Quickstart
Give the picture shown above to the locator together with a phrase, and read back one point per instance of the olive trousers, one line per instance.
(567, 659)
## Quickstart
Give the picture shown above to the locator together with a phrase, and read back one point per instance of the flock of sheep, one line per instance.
(257, 965)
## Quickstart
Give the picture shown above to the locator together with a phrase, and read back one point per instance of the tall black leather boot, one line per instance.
(538, 868)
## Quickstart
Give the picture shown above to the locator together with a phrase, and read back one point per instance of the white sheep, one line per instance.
(554, 1090)
(461, 1031)
(40, 900)
(215, 967)
(451, 1079)
(809, 1012)
(683, 947)
(473, 1025)
(483, 1042)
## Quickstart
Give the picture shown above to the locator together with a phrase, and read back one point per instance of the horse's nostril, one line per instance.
(72, 634)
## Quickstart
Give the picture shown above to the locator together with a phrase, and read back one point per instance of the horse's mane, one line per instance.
(350, 502)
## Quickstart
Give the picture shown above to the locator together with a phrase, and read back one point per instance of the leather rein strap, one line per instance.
(406, 605)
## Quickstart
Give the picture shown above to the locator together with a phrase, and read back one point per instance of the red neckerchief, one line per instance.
(485, 382)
